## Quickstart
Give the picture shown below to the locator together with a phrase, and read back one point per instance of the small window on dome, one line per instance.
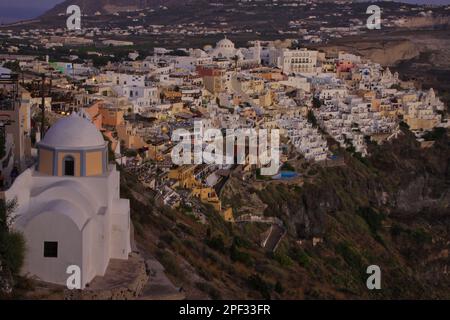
(69, 166)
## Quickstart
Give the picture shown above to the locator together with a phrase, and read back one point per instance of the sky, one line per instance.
(13, 10)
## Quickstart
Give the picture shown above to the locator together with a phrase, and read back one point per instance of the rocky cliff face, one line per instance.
(425, 22)
(391, 210)
(387, 53)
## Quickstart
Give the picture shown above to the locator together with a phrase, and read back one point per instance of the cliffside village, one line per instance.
(138, 103)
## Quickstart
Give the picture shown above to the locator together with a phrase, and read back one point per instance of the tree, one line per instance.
(404, 125)
(235, 59)
(435, 134)
(316, 103)
(257, 283)
(6, 215)
(12, 247)
(312, 118)
(279, 287)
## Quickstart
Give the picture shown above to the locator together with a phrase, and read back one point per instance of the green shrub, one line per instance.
(241, 242)
(240, 256)
(300, 256)
(209, 289)
(350, 255)
(373, 219)
(170, 263)
(279, 287)
(12, 244)
(421, 236)
(216, 243)
(397, 230)
(12, 251)
(283, 259)
(257, 283)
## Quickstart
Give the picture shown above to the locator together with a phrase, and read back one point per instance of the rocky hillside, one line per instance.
(391, 210)
(385, 52)
(107, 6)
(425, 22)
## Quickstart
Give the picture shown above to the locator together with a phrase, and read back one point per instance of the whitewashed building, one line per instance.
(69, 207)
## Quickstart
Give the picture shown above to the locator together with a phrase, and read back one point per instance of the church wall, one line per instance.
(120, 229)
(46, 161)
(52, 227)
(94, 163)
(102, 242)
(90, 248)
(97, 231)
(105, 236)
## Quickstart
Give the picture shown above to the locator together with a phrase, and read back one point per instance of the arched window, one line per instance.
(69, 166)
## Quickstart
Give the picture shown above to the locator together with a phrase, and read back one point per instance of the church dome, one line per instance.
(225, 43)
(73, 132)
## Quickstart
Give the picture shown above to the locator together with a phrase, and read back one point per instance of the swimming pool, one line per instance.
(285, 175)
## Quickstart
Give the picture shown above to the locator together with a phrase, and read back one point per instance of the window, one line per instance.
(69, 166)
(50, 249)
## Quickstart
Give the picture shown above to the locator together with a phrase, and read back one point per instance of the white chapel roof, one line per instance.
(73, 132)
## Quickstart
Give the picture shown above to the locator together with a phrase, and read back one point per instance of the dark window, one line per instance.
(50, 249)
(69, 166)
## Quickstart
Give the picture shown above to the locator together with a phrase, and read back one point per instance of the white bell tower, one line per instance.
(257, 52)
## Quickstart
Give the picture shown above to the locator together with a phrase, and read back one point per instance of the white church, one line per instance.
(225, 48)
(69, 207)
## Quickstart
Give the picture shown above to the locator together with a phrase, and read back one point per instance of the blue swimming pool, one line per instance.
(285, 175)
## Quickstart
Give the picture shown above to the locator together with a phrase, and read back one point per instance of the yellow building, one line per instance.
(185, 176)
(129, 137)
(227, 215)
(172, 95)
(421, 117)
(408, 98)
(208, 195)
(265, 100)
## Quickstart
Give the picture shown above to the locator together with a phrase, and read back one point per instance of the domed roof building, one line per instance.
(225, 44)
(73, 131)
(225, 48)
(69, 207)
(73, 147)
